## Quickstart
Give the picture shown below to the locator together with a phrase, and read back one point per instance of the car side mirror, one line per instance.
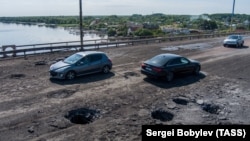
(80, 63)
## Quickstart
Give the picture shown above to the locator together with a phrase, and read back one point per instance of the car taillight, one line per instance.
(143, 65)
(157, 69)
(110, 60)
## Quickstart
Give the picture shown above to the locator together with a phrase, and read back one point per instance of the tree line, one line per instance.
(117, 25)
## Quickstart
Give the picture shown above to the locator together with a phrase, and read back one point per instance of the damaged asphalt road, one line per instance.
(115, 105)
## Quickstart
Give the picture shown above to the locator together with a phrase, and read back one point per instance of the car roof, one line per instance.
(84, 53)
(162, 59)
(169, 56)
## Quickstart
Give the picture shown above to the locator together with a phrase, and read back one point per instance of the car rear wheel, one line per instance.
(106, 69)
(170, 76)
(70, 75)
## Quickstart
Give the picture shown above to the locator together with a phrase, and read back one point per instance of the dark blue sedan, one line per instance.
(168, 65)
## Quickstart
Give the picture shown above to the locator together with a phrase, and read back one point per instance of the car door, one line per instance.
(82, 66)
(187, 66)
(240, 40)
(174, 65)
(180, 65)
(95, 62)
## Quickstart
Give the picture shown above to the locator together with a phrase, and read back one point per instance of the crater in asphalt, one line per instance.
(82, 115)
(180, 101)
(210, 108)
(61, 93)
(188, 46)
(39, 63)
(17, 76)
(130, 74)
(162, 115)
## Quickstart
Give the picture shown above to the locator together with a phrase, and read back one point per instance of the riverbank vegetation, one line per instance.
(143, 25)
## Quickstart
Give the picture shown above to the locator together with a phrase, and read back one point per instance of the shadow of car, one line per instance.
(181, 80)
(84, 79)
(243, 47)
(168, 66)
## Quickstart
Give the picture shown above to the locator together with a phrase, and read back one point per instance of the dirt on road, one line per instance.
(116, 105)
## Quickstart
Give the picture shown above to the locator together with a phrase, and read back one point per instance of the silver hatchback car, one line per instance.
(234, 40)
(81, 63)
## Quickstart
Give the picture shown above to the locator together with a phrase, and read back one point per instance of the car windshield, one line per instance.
(233, 37)
(72, 59)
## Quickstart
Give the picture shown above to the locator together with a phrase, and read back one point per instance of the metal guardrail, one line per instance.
(24, 50)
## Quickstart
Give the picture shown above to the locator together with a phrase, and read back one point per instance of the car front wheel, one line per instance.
(197, 70)
(70, 75)
(237, 45)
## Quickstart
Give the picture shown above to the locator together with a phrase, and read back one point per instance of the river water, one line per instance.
(19, 34)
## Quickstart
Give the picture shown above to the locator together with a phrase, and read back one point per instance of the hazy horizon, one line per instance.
(17, 8)
(117, 15)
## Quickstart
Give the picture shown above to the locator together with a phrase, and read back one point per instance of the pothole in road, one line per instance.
(82, 115)
(130, 74)
(210, 108)
(180, 101)
(188, 46)
(162, 115)
(61, 93)
(17, 76)
(39, 63)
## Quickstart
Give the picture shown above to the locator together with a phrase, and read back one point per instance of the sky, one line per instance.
(13, 8)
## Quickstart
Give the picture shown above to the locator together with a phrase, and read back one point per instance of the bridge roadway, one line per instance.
(33, 107)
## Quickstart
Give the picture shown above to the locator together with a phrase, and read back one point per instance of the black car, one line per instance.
(169, 65)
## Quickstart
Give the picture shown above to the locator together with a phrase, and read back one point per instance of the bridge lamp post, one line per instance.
(81, 30)
(232, 16)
